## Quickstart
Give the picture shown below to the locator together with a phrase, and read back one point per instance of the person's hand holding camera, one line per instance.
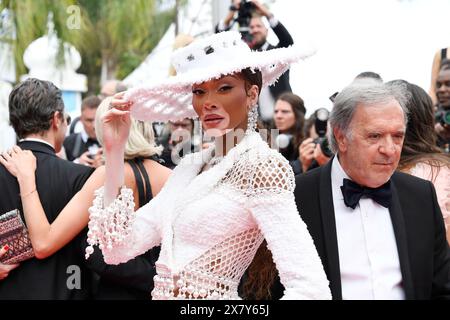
(258, 7)
(319, 156)
(261, 9)
(306, 153)
(98, 159)
(85, 159)
(235, 5)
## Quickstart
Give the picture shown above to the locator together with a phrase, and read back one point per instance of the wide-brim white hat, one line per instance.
(203, 60)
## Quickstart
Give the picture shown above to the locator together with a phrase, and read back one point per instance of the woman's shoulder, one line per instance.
(264, 155)
(158, 174)
(156, 167)
(429, 169)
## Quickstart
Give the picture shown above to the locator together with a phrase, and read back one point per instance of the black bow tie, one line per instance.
(352, 192)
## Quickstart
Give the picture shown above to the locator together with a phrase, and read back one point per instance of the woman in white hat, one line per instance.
(220, 204)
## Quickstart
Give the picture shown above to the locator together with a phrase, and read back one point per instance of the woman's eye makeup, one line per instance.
(197, 91)
(225, 88)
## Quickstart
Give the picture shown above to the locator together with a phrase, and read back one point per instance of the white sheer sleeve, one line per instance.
(272, 204)
(121, 233)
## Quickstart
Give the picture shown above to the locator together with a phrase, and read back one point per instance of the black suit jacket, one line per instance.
(57, 181)
(418, 227)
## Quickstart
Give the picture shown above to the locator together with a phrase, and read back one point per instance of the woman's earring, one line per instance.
(252, 119)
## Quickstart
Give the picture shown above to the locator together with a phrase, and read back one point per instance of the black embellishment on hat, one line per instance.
(209, 50)
(190, 57)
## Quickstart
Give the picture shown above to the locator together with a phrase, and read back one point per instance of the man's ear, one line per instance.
(341, 139)
(55, 121)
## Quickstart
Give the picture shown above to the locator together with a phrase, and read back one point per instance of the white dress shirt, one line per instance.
(37, 140)
(368, 255)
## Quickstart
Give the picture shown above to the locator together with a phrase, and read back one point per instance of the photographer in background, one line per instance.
(177, 141)
(443, 108)
(83, 147)
(248, 14)
(289, 119)
(314, 150)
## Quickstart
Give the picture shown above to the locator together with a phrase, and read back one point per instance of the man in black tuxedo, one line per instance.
(83, 147)
(380, 233)
(258, 32)
(37, 115)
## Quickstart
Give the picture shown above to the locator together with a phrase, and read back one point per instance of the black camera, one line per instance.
(443, 116)
(320, 125)
(244, 16)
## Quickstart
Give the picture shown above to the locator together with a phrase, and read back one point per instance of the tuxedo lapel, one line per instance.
(329, 231)
(398, 223)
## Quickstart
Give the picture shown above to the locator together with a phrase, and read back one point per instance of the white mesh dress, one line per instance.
(210, 225)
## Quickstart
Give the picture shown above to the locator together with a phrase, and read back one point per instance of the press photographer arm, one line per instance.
(261, 9)
(228, 21)
(284, 37)
(85, 159)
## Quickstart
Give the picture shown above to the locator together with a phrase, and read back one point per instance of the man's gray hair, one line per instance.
(367, 93)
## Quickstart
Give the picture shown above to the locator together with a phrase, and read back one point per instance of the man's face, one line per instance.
(88, 120)
(443, 88)
(184, 124)
(258, 30)
(370, 154)
(180, 130)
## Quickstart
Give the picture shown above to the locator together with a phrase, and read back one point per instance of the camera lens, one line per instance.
(325, 148)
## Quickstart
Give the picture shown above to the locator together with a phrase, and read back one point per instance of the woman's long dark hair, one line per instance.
(420, 138)
(262, 272)
(298, 108)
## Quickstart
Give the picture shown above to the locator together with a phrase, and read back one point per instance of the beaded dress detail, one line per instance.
(210, 225)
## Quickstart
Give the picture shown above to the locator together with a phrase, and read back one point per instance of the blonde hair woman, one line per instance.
(143, 174)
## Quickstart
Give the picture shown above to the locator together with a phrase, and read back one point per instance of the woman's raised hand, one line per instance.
(116, 122)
